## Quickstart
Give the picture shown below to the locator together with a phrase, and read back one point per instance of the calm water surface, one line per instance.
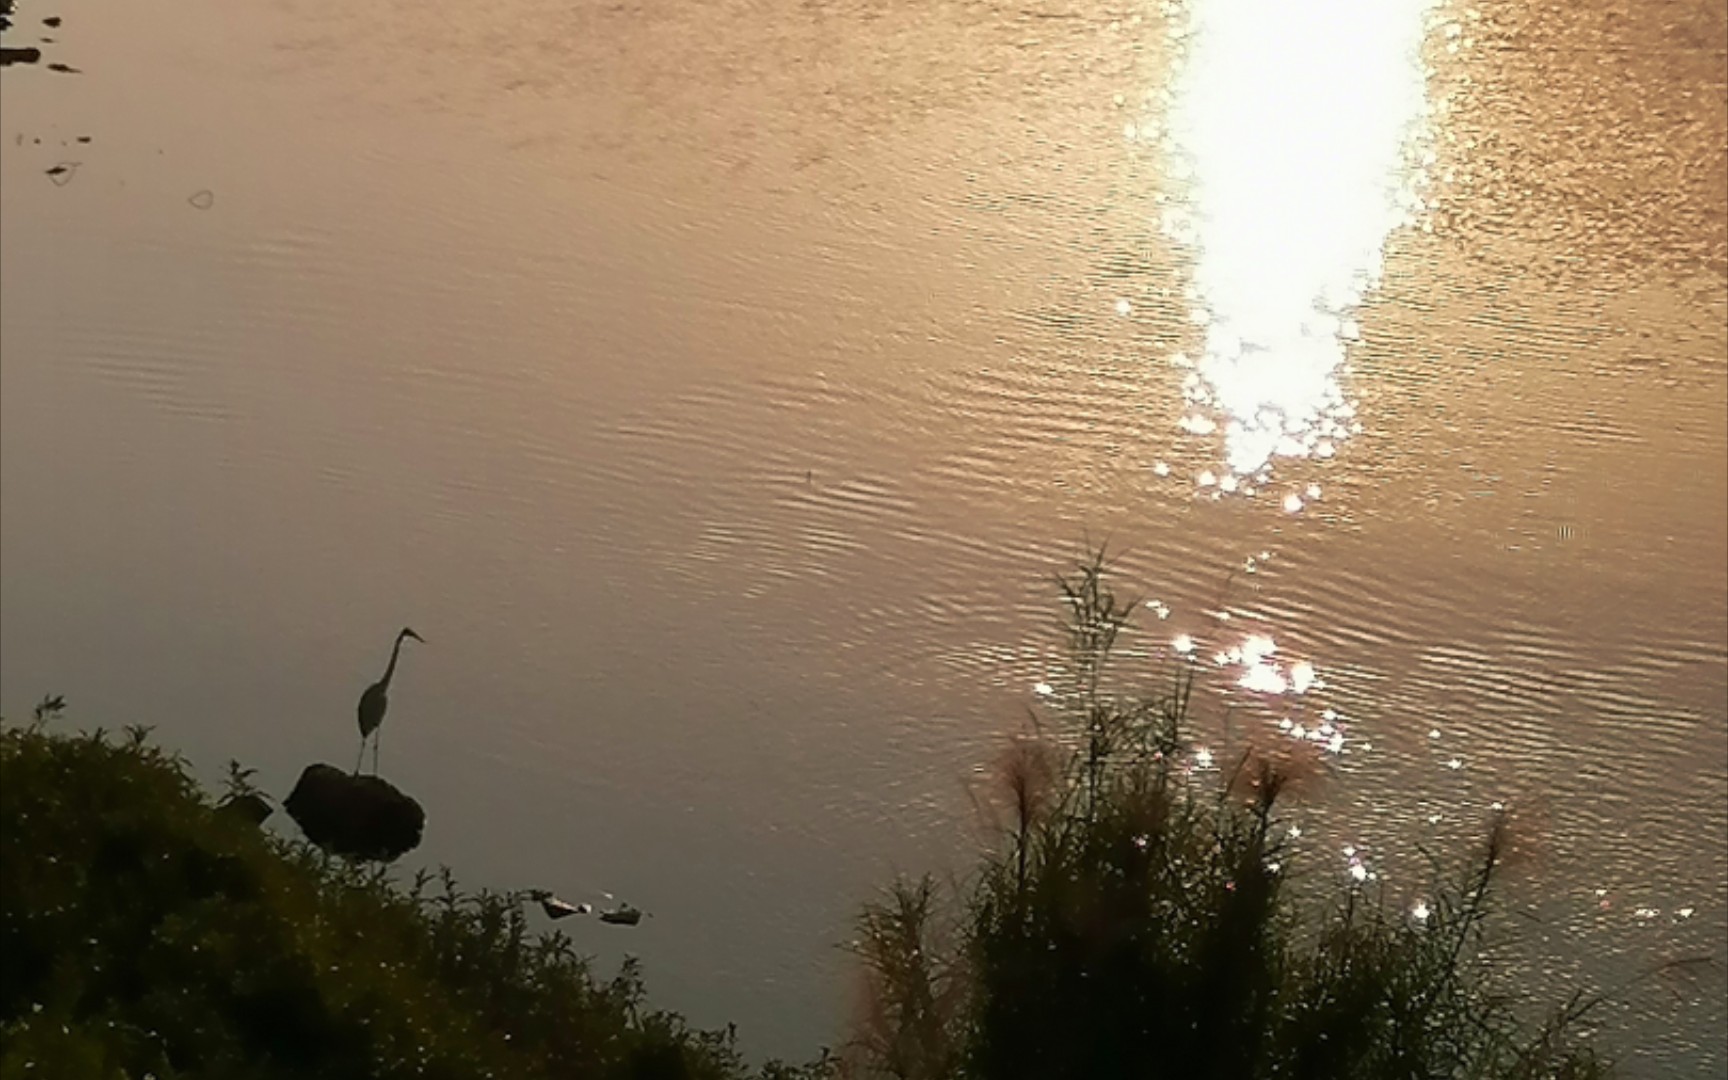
(717, 386)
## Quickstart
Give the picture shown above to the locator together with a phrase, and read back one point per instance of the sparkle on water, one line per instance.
(1262, 673)
(1294, 131)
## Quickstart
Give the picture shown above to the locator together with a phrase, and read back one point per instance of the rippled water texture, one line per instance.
(718, 386)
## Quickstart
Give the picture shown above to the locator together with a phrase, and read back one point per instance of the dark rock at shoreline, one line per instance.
(29, 54)
(248, 807)
(362, 817)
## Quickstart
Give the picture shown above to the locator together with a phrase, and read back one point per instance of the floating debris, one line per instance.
(556, 908)
(622, 916)
(202, 200)
(62, 173)
(64, 69)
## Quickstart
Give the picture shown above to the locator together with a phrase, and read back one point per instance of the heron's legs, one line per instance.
(361, 756)
(377, 736)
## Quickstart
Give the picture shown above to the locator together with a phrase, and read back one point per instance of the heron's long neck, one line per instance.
(391, 670)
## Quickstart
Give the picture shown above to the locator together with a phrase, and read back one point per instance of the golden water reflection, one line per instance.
(1296, 133)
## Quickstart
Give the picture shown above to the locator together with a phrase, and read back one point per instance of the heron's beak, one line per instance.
(416, 637)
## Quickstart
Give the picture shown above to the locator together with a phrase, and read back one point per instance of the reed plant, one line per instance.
(1133, 918)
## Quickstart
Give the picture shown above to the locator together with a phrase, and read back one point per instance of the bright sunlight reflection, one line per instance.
(1296, 131)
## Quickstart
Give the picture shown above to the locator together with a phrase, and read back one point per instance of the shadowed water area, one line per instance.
(719, 386)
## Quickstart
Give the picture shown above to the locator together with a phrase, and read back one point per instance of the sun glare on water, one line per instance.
(1295, 143)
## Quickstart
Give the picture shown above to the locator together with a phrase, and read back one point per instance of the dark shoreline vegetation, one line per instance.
(1132, 922)
(146, 930)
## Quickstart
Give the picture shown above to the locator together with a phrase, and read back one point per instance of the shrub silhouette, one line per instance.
(146, 931)
(1134, 922)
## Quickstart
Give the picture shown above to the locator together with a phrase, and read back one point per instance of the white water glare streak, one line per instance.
(1297, 131)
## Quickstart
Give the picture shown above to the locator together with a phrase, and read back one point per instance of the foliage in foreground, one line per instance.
(1135, 923)
(144, 932)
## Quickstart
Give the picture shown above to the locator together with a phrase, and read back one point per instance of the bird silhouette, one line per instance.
(375, 700)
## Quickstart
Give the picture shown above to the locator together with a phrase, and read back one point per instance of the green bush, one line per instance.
(1135, 923)
(144, 932)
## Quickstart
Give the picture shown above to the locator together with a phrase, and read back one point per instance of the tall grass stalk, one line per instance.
(1134, 921)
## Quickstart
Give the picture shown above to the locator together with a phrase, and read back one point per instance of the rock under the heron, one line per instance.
(362, 817)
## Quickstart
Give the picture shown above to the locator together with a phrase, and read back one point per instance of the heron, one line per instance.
(376, 699)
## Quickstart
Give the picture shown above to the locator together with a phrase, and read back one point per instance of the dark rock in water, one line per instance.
(362, 817)
(29, 54)
(248, 807)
